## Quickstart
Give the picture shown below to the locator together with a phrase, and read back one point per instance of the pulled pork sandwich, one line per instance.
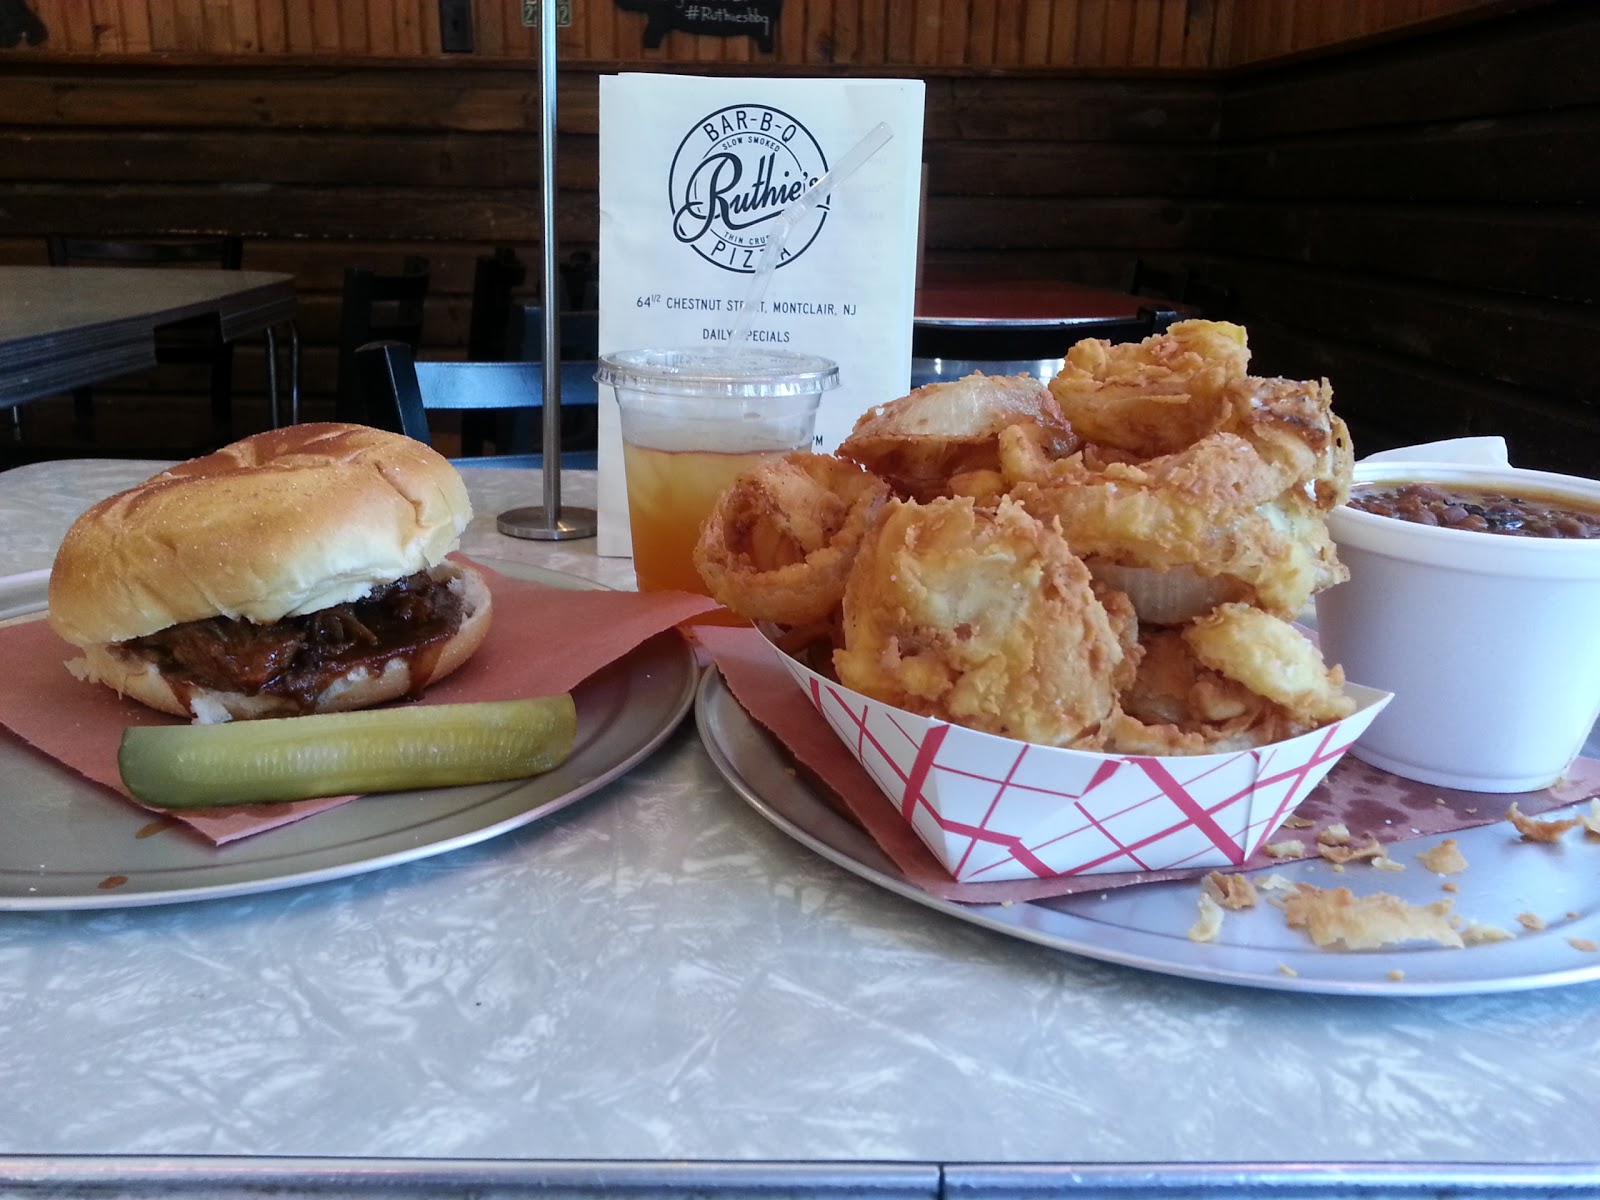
(300, 570)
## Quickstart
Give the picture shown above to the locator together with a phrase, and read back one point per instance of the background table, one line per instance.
(63, 327)
(655, 986)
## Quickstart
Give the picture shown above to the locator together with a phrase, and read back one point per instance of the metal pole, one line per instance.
(551, 522)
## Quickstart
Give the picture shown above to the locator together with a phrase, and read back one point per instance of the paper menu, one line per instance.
(693, 174)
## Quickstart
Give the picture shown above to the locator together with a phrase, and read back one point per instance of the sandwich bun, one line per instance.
(279, 526)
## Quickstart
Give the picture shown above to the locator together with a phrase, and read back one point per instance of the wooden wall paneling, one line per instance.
(464, 214)
(927, 31)
(1224, 20)
(284, 159)
(818, 45)
(272, 33)
(847, 32)
(106, 22)
(1546, 158)
(1172, 34)
(189, 18)
(1010, 32)
(297, 26)
(397, 99)
(1543, 60)
(1117, 45)
(1091, 34)
(382, 41)
(327, 28)
(872, 32)
(1537, 344)
(900, 33)
(1199, 29)
(1071, 110)
(488, 27)
(598, 24)
(230, 23)
(983, 31)
(1036, 33)
(1142, 39)
(73, 26)
(1063, 36)
(1538, 252)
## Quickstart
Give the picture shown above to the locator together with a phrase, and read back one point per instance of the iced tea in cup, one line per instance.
(693, 420)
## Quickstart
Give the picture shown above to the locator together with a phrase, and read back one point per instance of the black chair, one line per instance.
(1163, 283)
(495, 278)
(374, 308)
(188, 342)
(405, 390)
(580, 342)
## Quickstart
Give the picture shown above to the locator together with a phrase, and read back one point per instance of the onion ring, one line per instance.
(780, 541)
(1273, 659)
(920, 441)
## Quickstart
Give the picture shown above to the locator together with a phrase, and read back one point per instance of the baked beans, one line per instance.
(1526, 514)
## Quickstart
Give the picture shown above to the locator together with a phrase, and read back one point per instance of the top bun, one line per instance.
(280, 524)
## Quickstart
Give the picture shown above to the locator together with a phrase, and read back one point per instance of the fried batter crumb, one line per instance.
(1533, 830)
(1334, 835)
(1337, 917)
(1209, 925)
(1230, 891)
(1591, 821)
(1293, 822)
(1286, 969)
(1588, 945)
(1397, 975)
(1293, 848)
(1530, 921)
(1384, 863)
(1276, 883)
(1444, 859)
(1342, 852)
(1450, 885)
(1480, 934)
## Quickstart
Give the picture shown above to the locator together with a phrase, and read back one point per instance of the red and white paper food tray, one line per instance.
(993, 808)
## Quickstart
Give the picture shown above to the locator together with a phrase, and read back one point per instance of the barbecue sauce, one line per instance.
(297, 658)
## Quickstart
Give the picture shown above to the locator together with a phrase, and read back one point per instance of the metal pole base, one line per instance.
(537, 525)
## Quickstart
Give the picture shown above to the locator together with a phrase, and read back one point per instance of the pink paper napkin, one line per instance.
(542, 641)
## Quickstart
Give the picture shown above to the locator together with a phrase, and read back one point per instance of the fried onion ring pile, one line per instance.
(1112, 562)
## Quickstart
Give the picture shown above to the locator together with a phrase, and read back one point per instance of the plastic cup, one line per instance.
(692, 421)
(1487, 640)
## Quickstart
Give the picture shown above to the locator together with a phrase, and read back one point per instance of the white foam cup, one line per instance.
(1488, 641)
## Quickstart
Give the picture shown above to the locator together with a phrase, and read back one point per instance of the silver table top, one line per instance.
(658, 974)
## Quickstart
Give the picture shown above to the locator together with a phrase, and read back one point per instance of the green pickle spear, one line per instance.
(332, 754)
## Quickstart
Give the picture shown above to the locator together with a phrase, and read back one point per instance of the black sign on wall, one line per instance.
(716, 18)
(20, 25)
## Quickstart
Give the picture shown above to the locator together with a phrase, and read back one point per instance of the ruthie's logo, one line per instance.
(734, 172)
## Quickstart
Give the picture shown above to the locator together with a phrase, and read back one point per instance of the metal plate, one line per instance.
(1147, 926)
(64, 838)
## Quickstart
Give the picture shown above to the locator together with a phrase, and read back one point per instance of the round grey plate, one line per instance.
(65, 840)
(1147, 926)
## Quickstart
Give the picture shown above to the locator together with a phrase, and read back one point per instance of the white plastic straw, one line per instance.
(791, 216)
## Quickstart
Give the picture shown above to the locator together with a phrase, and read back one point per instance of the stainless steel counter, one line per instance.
(657, 976)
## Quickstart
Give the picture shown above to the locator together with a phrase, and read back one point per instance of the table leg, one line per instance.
(272, 377)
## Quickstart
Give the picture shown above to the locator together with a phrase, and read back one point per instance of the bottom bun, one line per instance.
(139, 679)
